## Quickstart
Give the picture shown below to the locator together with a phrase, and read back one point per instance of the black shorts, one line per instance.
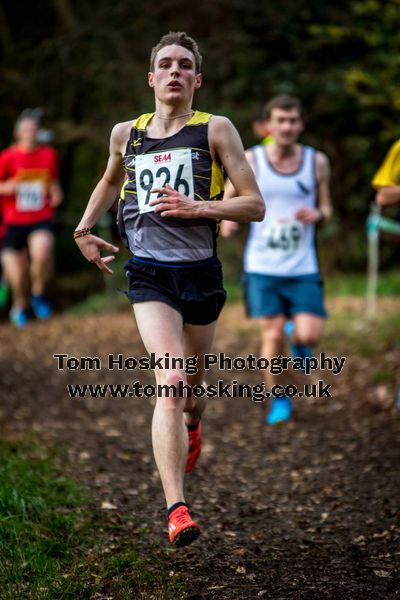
(196, 292)
(16, 236)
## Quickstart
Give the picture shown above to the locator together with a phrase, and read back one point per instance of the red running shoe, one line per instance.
(194, 448)
(181, 527)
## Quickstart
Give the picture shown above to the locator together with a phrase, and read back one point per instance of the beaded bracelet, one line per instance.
(81, 232)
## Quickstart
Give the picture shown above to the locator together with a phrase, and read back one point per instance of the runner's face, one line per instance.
(285, 126)
(26, 132)
(174, 77)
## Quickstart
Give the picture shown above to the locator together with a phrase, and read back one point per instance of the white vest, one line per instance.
(280, 244)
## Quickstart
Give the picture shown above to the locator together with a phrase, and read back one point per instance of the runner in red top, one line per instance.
(29, 193)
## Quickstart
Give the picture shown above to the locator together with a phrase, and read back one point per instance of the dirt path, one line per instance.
(309, 510)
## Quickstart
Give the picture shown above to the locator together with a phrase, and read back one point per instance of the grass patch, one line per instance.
(336, 285)
(103, 302)
(355, 284)
(53, 547)
(350, 329)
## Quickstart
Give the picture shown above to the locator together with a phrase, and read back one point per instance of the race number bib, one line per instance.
(156, 170)
(30, 195)
(284, 237)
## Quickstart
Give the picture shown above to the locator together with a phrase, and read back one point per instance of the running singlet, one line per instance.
(184, 161)
(280, 244)
(33, 171)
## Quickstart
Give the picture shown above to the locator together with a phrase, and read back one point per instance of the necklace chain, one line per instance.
(178, 117)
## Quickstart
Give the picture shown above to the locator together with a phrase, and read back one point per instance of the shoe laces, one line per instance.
(182, 516)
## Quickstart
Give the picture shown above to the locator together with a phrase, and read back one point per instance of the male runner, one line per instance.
(282, 279)
(387, 179)
(29, 192)
(168, 213)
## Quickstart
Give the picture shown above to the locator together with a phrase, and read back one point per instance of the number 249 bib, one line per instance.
(284, 237)
(157, 169)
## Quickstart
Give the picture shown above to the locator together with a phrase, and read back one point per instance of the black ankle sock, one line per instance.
(174, 506)
(194, 426)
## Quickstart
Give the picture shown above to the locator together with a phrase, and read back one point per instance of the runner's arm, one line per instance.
(8, 185)
(101, 200)
(248, 205)
(323, 173)
(324, 203)
(229, 228)
(389, 195)
(56, 195)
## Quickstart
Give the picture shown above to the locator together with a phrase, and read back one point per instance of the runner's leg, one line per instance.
(40, 244)
(16, 270)
(161, 329)
(307, 329)
(272, 336)
(198, 341)
(272, 343)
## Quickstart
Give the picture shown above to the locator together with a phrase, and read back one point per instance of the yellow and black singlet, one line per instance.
(184, 161)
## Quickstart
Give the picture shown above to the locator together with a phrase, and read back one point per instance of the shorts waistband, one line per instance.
(176, 265)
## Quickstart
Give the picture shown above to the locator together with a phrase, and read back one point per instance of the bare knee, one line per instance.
(171, 388)
(307, 336)
(273, 336)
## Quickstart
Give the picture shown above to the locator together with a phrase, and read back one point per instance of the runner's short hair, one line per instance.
(284, 102)
(177, 38)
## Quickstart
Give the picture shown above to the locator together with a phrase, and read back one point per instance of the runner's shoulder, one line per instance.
(47, 150)
(121, 130)
(221, 132)
(322, 163)
(9, 152)
(120, 134)
(220, 123)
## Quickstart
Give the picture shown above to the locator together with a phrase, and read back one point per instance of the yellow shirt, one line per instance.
(389, 172)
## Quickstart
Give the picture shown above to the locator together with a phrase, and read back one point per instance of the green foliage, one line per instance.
(40, 516)
(52, 547)
(371, 28)
(87, 67)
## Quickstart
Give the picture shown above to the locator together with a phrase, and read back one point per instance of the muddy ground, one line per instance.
(308, 510)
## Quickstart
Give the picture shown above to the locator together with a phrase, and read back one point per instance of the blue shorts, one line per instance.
(272, 295)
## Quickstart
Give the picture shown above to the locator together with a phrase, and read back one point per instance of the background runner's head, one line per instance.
(284, 119)
(26, 128)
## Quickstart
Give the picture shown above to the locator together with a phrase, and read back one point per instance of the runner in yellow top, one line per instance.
(387, 178)
(172, 197)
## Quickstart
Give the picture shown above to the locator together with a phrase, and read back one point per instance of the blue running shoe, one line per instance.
(41, 307)
(19, 317)
(281, 411)
(296, 350)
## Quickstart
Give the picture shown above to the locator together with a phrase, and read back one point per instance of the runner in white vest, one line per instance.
(283, 286)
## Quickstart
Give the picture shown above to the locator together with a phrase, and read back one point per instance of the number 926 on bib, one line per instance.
(157, 169)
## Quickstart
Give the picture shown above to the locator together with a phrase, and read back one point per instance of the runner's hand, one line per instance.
(174, 204)
(308, 215)
(228, 228)
(9, 187)
(90, 246)
(56, 196)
